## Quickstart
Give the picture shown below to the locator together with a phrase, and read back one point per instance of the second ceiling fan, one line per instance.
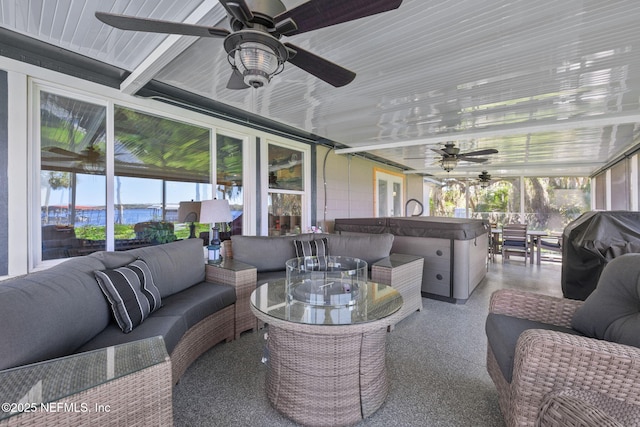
(253, 45)
(451, 155)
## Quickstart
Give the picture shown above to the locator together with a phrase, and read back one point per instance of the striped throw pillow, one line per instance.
(313, 248)
(131, 293)
(318, 247)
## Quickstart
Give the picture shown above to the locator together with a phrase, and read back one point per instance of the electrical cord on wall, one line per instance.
(324, 182)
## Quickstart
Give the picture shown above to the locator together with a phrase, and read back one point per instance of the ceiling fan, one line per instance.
(484, 179)
(451, 155)
(253, 45)
(90, 159)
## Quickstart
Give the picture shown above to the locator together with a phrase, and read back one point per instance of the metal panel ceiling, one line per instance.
(554, 86)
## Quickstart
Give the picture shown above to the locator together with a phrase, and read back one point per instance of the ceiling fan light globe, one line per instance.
(257, 63)
(449, 164)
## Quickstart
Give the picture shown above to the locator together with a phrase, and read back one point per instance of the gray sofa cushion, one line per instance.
(198, 302)
(178, 313)
(171, 328)
(368, 247)
(612, 311)
(266, 253)
(175, 266)
(112, 259)
(502, 335)
(51, 313)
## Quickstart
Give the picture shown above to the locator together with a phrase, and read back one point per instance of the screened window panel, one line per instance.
(72, 180)
(229, 185)
(620, 186)
(148, 146)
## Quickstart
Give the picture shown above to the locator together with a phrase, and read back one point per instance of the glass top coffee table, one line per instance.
(326, 363)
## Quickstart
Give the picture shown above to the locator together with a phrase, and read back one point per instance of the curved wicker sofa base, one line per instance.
(201, 337)
(151, 387)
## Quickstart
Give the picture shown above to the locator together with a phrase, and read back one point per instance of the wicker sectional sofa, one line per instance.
(61, 314)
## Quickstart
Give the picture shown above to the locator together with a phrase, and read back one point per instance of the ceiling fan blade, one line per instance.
(315, 14)
(239, 9)
(62, 152)
(133, 23)
(480, 152)
(323, 69)
(472, 159)
(236, 81)
(440, 151)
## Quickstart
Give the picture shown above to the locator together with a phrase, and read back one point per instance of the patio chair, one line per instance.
(586, 408)
(539, 344)
(514, 241)
(551, 243)
(494, 241)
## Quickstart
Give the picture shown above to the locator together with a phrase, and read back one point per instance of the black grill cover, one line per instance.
(590, 242)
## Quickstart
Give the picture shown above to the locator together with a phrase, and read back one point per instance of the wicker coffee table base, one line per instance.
(327, 375)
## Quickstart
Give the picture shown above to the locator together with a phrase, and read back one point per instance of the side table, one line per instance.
(243, 277)
(404, 273)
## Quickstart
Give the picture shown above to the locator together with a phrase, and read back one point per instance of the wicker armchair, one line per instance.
(581, 408)
(547, 360)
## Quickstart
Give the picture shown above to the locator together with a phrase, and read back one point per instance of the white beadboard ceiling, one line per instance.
(553, 85)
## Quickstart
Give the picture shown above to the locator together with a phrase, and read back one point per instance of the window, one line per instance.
(552, 203)
(158, 162)
(286, 189)
(389, 193)
(620, 186)
(229, 180)
(600, 199)
(72, 175)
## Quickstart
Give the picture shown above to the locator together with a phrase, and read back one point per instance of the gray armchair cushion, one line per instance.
(612, 311)
(502, 335)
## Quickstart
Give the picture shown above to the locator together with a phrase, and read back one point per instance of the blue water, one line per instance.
(98, 216)
(131, 216)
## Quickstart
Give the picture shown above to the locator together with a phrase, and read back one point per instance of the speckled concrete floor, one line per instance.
(435, 359)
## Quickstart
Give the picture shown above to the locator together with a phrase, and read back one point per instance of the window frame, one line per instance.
(145, 106)
(305, 215)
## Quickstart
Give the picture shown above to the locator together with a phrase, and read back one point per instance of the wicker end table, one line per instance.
(326, 364)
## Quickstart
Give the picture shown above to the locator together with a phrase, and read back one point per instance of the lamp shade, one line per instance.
(189, 212)
(212, 211)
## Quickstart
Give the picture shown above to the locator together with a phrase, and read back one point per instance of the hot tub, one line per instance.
(454, 249)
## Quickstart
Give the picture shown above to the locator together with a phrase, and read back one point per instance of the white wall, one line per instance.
(349, 182)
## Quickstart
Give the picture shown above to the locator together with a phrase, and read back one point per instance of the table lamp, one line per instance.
(213, 212)
(189, 212)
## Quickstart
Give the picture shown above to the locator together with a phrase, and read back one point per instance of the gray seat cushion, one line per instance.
(198, 302)
(171, 328)
(502, 335)
(178, 313)
(612, 311)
